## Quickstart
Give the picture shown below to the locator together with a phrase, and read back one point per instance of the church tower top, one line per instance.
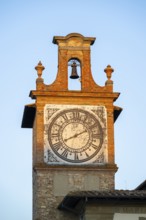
(71, 49)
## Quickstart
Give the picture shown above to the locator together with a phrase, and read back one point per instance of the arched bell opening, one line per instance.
(74, 74)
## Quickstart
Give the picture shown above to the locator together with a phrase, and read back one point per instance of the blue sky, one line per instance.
(27, 30)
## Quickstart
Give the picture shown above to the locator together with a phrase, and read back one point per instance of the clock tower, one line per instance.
(73, 130)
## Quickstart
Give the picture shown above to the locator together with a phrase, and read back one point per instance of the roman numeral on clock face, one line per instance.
(57, 146)
(94, 146)
(57, 125)
(54, 135)
(76, 156)
(87, 155)
(64, 153)
(76, 115)
(93, 126)
(96, 136)
(65, 117)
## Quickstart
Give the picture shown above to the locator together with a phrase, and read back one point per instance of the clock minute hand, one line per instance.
(76, 135)
(80, 133)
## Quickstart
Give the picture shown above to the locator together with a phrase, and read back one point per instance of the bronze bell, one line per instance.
(74, 74)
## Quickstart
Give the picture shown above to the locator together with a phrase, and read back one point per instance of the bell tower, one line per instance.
(73, 130)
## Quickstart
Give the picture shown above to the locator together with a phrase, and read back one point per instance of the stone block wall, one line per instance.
(51, 186)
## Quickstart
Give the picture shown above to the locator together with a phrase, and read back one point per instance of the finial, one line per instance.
(39, 68)
(108, 70)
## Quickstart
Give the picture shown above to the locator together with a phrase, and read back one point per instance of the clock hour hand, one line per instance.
(74, 136)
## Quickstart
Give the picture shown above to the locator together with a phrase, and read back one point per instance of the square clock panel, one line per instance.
(75, 134)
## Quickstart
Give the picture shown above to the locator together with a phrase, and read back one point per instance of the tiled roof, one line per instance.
(127, 194)
(142, 186)
(71, 201)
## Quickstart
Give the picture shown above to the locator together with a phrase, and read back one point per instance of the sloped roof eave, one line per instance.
(28, 116)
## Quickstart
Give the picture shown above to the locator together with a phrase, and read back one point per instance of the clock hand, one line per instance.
(80, 133)
(74, 136)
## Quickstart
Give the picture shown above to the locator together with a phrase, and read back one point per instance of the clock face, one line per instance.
(75, 135)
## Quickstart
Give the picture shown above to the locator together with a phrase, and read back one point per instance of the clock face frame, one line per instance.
(73, 134)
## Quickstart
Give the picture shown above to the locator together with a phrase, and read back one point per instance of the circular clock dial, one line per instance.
(75, 135)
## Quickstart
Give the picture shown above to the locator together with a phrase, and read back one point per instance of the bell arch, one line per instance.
(74, 74)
